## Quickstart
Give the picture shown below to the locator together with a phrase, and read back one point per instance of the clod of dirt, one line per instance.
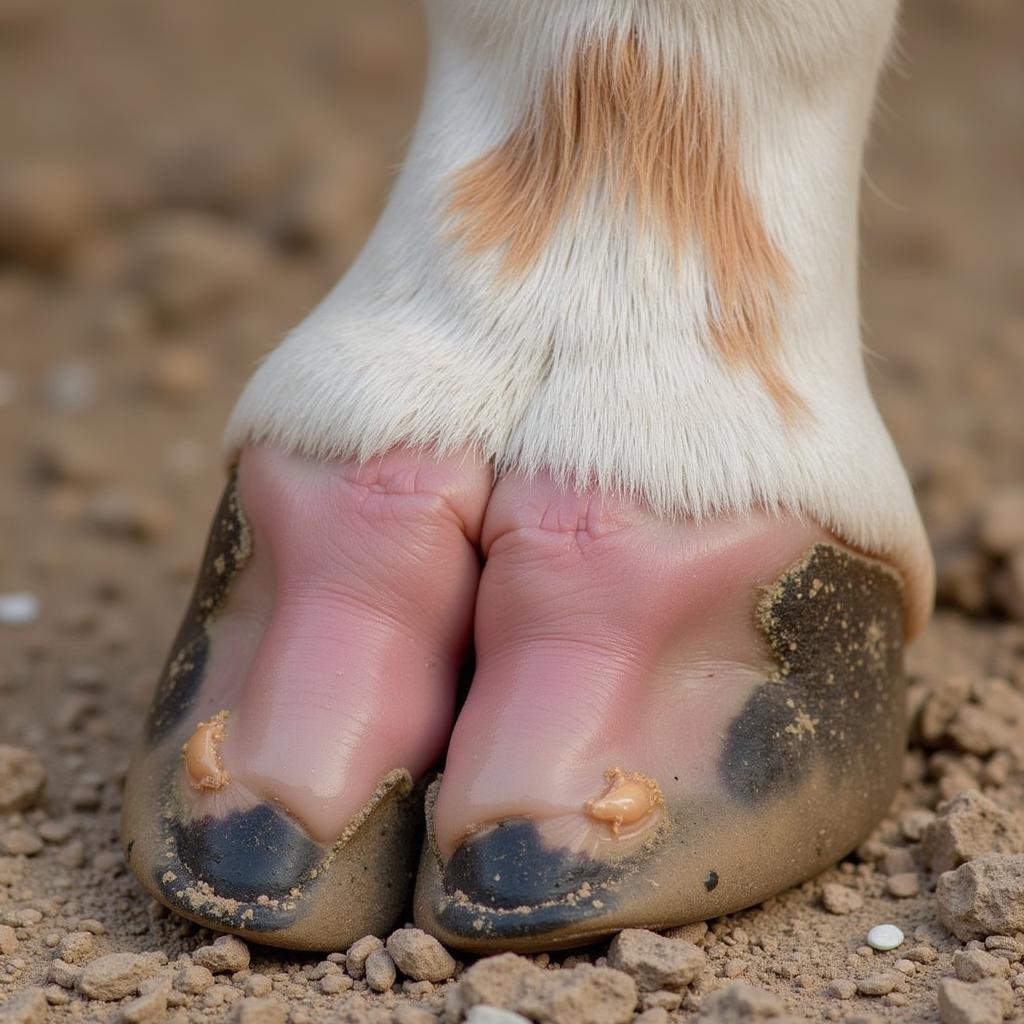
(653, 962)
(903, 886)
(976, 964)
(969, 826)
(583, 995)
(355, 956)
(28, 1007)
(420, 956)
(258, 1011)
(983, 897)
(380, 970)
(76, 947)
(985, 1002)
(741, 1004)
(195, 980)
(227, 955)
(22, 779)
(151, 1005)
(117, 975)
(880, 984)
(839, 899)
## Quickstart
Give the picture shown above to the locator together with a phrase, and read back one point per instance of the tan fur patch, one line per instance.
(664, 149)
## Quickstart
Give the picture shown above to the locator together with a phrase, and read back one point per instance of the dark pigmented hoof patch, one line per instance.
(506, 882)
(248, 854)
(228, 548)
(834, 623)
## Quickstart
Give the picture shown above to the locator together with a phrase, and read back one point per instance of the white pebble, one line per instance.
(885, 936)
(18, 609)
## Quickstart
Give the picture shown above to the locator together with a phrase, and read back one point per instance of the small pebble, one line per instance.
(885, 936)
(19, 608)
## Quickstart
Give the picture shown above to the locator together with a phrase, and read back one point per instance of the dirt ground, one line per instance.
(179, 183)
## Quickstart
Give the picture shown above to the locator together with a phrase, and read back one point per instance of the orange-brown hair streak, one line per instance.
(660, 143)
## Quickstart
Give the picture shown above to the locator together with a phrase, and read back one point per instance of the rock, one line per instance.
(150, 1006)
(258, 985)
(227, 955)
(914, 823)
(583, 995)
(8, 940)
(1001, 528)
(258, 1011)
(922, 955)
(45, 208)
(28, 1007)
(379, 970)
(187, 265)
(903, 885)
(22, 779)
(941, 705)
(355, 957)
(117, 975)
(880, 984)
(666, 1000)
(653, 962)
(839, 899)
(19, 842)
(986, 1002)
(483, 1014)
(690, 932)
(976, 964)
(194, 980)
(76, 947)
(420, 956)
(332, 984)
(969, 826)
(898, 860)
(738, 1004)
(983, 897)
(980, 730)
(842, 988)
(63, 974)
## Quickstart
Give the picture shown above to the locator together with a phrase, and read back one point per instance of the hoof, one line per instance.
(805, 768)
(250, 867)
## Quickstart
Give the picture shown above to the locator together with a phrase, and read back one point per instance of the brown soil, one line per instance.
(179, 183)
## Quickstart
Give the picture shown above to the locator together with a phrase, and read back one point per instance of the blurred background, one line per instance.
(181, 182)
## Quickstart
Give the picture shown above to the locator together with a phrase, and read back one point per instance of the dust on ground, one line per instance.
(179, 183)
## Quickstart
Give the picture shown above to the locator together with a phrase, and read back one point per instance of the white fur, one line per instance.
(597, 363)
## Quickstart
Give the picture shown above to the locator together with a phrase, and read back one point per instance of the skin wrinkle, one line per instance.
(660, 148)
